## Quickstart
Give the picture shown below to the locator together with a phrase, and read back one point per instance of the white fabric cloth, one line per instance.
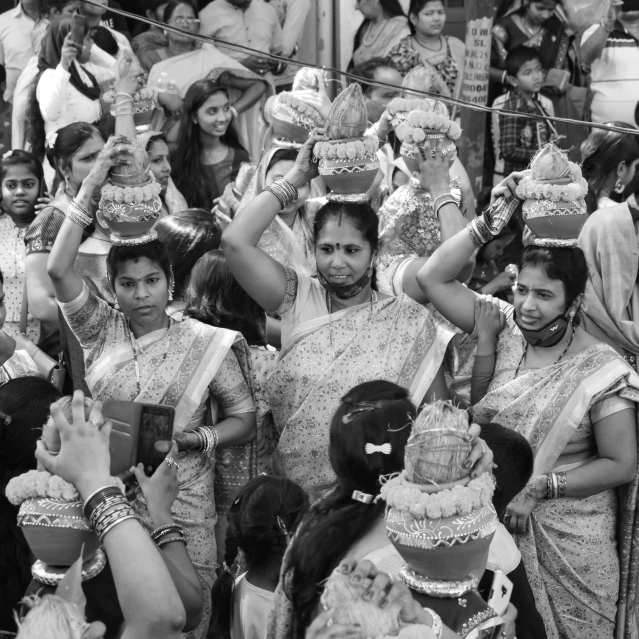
(61, 103)
(503, 553)
(251, 608)
(256, 27)
(292, 16)
(16, 47)
(614, 79)
(101, 64)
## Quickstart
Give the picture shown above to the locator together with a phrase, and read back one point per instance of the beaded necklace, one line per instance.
(523, 357)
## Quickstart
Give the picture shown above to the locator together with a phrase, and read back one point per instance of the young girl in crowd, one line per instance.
(209, 151)
(22, 184)
(264, 516)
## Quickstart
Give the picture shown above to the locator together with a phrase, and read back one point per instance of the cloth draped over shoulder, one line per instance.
(324, 356)
(208, 62)
(610, 242)
(289, 246)
(576, 567)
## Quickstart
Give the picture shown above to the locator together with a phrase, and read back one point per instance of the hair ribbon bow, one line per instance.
(384, 449)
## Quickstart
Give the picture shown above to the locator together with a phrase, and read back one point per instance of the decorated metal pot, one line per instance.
(56, 530)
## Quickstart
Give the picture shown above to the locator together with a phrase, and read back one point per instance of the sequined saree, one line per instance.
(580, 554)
(189, 367)
(324, 356)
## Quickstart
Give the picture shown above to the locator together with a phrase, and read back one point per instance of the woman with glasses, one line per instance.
(180, 14)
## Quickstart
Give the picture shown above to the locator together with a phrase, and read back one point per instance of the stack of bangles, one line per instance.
(284, 191)
(208, 437)
(556, 485)
(123, 104)
(479, 232)
(443, 200)
(168, 534)
(79, 214)
(106, 508)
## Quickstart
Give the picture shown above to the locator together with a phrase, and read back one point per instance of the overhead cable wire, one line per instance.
(355, 78)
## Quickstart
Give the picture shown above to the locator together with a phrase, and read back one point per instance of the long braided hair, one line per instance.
(265, 512)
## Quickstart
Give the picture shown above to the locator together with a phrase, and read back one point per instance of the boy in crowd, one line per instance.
(517, 139)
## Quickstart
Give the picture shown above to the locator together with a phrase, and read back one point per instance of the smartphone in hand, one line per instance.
(78, 28)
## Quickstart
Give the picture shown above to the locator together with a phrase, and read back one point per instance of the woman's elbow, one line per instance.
(168, 620)
(262, 87)
(231, 241)
(194, 611)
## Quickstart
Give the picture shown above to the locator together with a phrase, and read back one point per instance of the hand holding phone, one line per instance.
(78, 28)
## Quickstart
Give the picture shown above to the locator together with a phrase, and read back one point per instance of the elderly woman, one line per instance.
(140, 354)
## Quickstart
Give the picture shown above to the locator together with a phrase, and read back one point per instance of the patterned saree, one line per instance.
(394, 339)
(580, 554)
(192, 367)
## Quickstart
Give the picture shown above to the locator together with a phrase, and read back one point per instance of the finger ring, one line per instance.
(329, 623)
(170, 462)
(432, 154)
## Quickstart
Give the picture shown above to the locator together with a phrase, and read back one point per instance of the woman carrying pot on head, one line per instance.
(348, 522)
(337, 330)
(139, 354)
(574, 399)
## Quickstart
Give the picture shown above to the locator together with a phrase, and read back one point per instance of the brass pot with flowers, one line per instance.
(421, 126)
(348, 159)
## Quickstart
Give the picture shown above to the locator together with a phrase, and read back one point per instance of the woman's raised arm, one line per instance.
(252, 91)
(258, 274)
(67, 284)
(437, 278)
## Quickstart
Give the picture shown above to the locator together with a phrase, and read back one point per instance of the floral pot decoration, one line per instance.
(130, 201)
(439, 520)
(293, 120)
(553, 190)
(52, 520)
(420, 126)
(348, 160)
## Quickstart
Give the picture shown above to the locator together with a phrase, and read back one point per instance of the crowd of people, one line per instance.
(389, 393)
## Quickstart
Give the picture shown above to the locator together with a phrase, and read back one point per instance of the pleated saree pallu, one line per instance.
(394, 339)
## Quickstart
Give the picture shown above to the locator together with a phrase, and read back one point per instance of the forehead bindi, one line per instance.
(342, 232)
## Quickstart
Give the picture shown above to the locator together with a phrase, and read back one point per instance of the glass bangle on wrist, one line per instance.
(79, 214)
(284, 191)
(443, 200)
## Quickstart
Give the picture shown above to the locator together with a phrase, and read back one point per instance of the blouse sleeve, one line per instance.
(290, 295)
(89, 316)
(43, 231)
(609, 406)
(230, 389)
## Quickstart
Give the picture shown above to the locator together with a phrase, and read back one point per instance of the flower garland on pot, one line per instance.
(348, 160)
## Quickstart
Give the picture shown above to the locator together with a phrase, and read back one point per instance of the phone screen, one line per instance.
(78, 24)
(156, 425)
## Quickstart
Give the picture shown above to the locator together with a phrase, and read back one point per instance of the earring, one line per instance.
(116, 306)
(171, 284)
(66, 183)
(619, 186)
